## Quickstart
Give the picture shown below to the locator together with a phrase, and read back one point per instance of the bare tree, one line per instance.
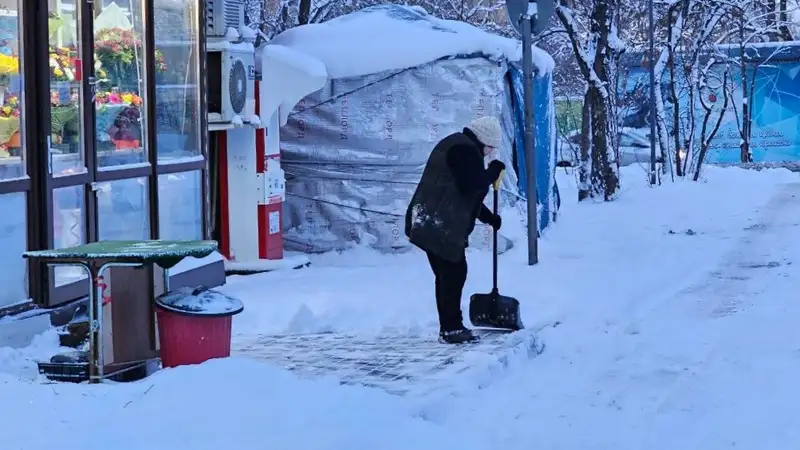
(708, 129)
(487, 14)
(694, 31)
(280, 15)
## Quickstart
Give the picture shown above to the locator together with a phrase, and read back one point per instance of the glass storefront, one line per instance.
(12, 158)
(13, 220)
(122, 210)
(69, 228)
(111, 163)
(12, 243)
(177, 89)
(66, 133)
(119, 70)
(181, 210)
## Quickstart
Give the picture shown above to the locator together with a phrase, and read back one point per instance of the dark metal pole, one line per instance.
(652, 65)
(530, 156)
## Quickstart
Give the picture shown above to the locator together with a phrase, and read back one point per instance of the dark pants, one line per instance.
(450, 279)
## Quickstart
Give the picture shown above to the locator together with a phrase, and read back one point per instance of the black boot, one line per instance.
(458, 336)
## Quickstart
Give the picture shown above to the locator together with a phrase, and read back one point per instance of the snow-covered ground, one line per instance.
(676, 311)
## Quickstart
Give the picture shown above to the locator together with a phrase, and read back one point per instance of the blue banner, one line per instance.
(774, 96)
(544, 133)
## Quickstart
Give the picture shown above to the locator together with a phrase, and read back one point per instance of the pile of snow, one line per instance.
(21, 362)
(393, 37)
(280, 54)
(288, 75)
(232, 403)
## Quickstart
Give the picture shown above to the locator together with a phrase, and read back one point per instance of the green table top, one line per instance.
(166, 254)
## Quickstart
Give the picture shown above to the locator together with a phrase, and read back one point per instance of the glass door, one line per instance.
(70, 166)
(98, 158)
(15, 184)
(123, 169)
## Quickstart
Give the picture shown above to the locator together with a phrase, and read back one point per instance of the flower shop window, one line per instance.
(67, 155)
(14, 183)
(119, 86)
(120, 122)
(11, 155)
(178, 111)
(178, 107)
(66, 133)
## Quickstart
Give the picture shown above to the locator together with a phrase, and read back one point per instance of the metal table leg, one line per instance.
(96, 351)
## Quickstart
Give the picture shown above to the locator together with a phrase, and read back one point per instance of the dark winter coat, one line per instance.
(449, 197)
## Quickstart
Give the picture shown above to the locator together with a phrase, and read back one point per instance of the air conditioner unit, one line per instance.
(231, 85)
(224, 14)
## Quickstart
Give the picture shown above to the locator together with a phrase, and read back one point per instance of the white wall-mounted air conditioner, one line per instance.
(224, 14)
(231, 85)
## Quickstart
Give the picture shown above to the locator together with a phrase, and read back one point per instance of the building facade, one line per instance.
(102, 134)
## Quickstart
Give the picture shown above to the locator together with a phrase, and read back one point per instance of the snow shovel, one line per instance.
(493, 310)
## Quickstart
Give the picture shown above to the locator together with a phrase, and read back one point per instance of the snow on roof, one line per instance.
(393, 37)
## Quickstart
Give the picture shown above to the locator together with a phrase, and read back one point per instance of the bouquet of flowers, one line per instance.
(9, 66)
(119, 51)
(117, 98)
(62, 63)
(10, 107)
(126, 114)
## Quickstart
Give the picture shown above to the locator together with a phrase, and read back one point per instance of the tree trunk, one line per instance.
(783, 17)
(676, 111)
(584, 164)
(597, 170)
(604, 178)
(304, 12)
(745, 156)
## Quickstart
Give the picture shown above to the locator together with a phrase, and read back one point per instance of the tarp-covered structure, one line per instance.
(399, 80)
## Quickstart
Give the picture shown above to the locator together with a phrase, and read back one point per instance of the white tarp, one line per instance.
(399, 81)
(354, 151)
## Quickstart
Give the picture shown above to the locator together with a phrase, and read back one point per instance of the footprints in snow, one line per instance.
(769, 265)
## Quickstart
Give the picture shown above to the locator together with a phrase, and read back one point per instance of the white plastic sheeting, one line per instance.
(399, 81)
(354, 151)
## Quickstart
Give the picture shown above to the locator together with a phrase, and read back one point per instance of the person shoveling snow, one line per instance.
(443, 210)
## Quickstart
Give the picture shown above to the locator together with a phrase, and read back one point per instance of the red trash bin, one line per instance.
(194, 325)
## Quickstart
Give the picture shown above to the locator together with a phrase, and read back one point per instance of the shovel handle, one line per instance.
(495, 206)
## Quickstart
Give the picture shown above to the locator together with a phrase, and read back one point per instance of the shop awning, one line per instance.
(286, 77)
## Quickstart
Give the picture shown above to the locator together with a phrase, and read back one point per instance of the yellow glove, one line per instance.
(498, 180)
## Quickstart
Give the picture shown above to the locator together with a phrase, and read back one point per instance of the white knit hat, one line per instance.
(487, 130)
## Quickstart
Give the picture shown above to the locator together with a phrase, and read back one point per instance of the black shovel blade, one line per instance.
(495, 311)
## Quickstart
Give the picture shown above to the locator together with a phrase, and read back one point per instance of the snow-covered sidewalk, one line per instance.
(675, 329)
(707, 359)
